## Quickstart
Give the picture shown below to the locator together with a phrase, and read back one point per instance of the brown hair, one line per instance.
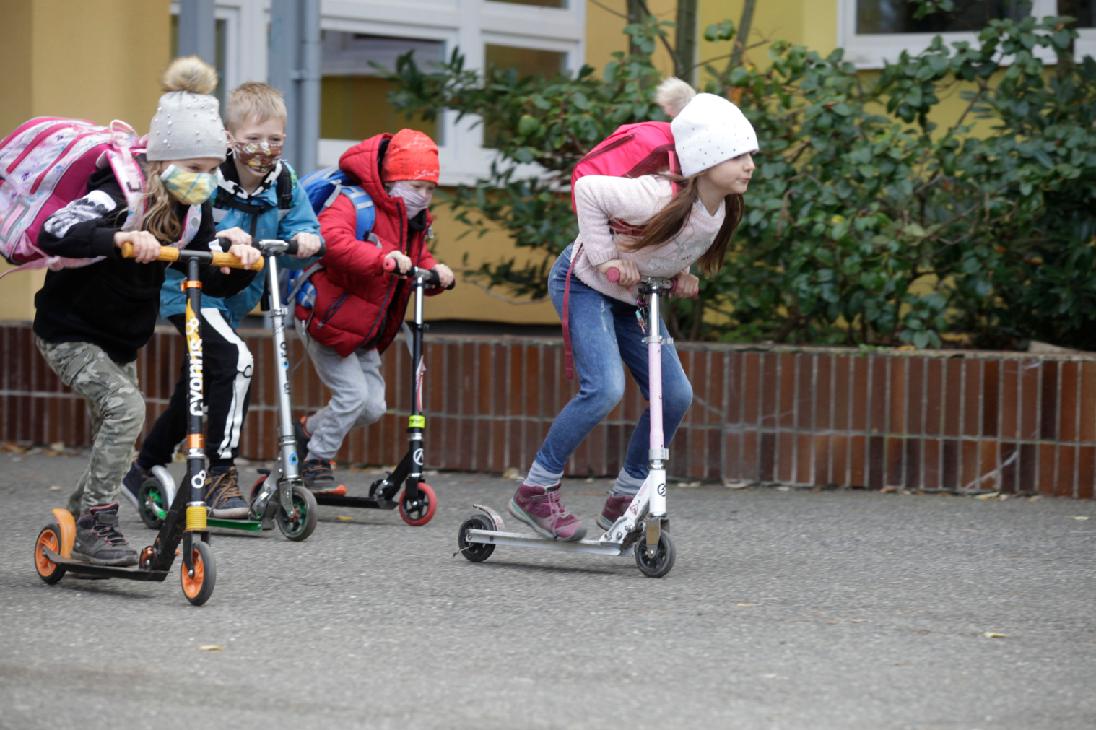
(254, 100)
(159, 215)
(669, 221)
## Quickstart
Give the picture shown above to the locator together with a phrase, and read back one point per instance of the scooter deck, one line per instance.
(517, 539)
(130, 572)
(245, 525)
(346, 500)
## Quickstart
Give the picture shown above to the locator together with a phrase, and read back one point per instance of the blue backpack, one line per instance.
(322, 188)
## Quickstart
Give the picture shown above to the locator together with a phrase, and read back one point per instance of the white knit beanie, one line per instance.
(709, 130)
(187, 123)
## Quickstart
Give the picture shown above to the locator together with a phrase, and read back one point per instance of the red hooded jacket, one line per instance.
(357, 302)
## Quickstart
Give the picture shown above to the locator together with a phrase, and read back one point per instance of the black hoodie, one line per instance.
(112, 303)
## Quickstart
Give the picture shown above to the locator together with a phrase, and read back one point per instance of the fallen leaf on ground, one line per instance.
(211, 647)
(987, 496)
(993, 635)
(1080, 518)
(344, 518)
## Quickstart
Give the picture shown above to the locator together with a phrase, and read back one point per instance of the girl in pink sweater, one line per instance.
(714, 143)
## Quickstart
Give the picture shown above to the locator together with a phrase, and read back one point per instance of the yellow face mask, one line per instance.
(189, 188)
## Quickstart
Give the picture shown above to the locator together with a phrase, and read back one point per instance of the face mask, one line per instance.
(414, 200)
(189, 188)
(259, 157)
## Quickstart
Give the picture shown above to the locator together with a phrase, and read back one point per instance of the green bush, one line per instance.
(866, 222)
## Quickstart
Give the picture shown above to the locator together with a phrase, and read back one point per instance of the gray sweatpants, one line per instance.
(117, 415)
(357, 394)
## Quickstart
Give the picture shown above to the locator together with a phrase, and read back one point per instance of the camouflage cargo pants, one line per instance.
(117, 415)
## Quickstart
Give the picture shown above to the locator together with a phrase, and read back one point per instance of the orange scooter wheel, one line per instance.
(417, 512)
(198, 581)
(48, 539)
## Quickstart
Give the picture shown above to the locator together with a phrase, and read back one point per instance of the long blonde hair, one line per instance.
(669, 221)
(159, 207)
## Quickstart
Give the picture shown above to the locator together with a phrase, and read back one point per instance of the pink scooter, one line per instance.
(642, 527)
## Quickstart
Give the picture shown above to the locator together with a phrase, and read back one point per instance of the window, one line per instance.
(220, 44)
(874, 31)
(527, 62)
(533, 36)
(353, 96)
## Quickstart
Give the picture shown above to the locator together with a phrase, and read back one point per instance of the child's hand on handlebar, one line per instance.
(628, 272)
(445, 276)
(307, 244)
(686, 285)
(402, 262)
(240, 247)
(145, 246)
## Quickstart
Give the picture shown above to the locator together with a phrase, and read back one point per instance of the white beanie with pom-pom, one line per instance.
(707, 128)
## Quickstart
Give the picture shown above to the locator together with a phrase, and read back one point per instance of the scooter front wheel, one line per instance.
(417, 512)
(48, 539)
(198, 581)
(299, 525)
(151, 496)
(476, 552)
(663, 559)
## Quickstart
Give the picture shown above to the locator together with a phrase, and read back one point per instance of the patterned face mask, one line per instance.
(189, 188)
(259, 157)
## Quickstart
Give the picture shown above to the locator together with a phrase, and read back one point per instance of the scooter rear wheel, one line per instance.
(419, 511)
(151, 493)
(663, 560)
(476, 552)
(48, 539)
(299, 526)
(199, 580)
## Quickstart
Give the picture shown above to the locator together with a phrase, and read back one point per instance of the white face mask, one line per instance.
(414, 200)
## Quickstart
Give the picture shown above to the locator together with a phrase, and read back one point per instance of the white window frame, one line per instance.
(469, 25)
(871, 50)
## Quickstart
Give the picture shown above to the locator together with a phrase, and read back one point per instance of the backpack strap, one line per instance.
(363, 208)
(284, 189)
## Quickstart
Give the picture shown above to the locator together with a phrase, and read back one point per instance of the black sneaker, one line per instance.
(223, 495)
(98, 540)
(131, 484)
(302, 436)
(318, 475)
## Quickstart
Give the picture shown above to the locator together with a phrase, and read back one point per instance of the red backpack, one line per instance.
(44, 165)
(642, 148)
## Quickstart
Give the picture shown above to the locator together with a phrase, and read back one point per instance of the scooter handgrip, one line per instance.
(389, 264)
(167, 253)
(612, 274)
(230, 260)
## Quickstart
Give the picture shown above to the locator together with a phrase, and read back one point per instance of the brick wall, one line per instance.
(955, 421)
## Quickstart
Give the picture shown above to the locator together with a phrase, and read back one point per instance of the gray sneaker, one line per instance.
(223, 495)
(98, 539)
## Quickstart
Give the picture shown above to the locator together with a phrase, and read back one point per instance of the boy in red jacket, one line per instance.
(359, 307)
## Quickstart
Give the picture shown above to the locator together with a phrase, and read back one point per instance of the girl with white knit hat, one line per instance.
(677, 228)
(90, 321)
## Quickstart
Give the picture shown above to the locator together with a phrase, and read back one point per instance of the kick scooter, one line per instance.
(285, 500)
(643, 526)
(185, 520)
(417, 502)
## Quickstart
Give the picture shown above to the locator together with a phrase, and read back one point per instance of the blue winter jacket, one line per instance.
(262, 219)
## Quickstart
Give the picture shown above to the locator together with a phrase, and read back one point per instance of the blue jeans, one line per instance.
(606, 336)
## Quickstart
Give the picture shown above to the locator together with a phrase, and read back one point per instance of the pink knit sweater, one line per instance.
(601, 198)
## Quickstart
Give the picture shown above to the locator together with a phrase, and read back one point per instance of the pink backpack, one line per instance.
(632, 150)
(44, 165)
(642, 148)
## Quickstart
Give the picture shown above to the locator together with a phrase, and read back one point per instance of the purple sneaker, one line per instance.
(613, 509)
(541, 509)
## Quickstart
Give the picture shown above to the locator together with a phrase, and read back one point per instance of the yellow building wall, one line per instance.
(98, 60)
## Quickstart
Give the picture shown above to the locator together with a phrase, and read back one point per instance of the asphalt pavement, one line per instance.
(785, 609)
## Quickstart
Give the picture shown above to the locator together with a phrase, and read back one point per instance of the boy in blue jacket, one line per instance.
(258, 192)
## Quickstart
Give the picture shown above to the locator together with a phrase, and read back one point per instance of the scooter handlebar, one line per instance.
(277, 246)
(613, 275)
(429, 276)
(172, 254)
